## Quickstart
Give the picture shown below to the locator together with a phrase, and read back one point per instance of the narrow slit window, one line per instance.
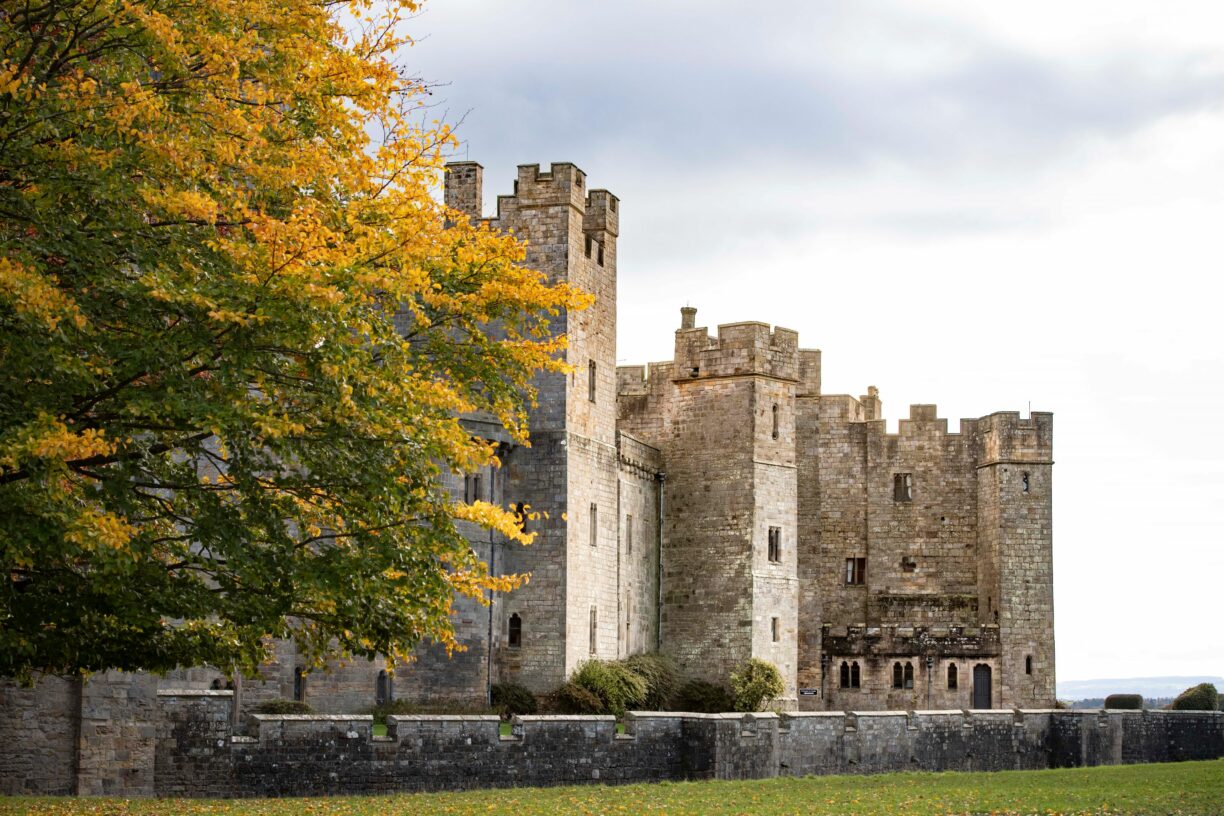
(855, 677)
(845, 674)
(599, 255)
(382, 688)
(591, 380)
(514, 632)
(775, 545)
(520, 513)
(588, 246)
(472, 488)
(1024, 481)
(299, 684)
(856, 571)
(594, 531)
(1028, 664)
(952, 678)
(594, 629)
(774, 629)
(909, 675)
(903, 487)
(775, 421)
(898, 676)
(629, 534)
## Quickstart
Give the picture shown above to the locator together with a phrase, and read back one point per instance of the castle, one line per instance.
(716, 507)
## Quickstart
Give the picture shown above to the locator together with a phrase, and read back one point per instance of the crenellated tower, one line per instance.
(568, 612)
(1015, 535)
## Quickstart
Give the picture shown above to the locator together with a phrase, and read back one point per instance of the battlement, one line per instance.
(561, 184)
(1007, 437)
(749, 348)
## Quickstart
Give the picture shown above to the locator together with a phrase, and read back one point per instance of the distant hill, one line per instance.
(1147, 686)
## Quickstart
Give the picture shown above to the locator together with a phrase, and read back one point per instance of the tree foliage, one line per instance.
(214, 217)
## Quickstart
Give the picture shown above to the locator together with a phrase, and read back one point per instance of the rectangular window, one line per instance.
(594, 524)
(471, 488)
(591, 380)
(774, 629)
(903, 487)
(856, 570)
(594, 626)
(775, 544)
(629, 534)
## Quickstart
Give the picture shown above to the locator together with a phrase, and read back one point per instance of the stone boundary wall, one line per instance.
(305, 755)
(179, 743)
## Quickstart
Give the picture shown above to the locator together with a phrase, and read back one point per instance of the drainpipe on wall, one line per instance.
(661, 478)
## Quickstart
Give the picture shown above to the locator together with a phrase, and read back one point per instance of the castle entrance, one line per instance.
(981, 686)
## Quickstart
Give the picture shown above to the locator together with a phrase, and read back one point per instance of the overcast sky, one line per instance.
(980, 205)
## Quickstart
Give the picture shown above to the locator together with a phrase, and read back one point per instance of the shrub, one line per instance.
(1202, 697)
(283, 707)
(1124, 701)
(661, 676)
(702, 697)
(510, 699)
(618, 686)
(574, 699)
(755, 683)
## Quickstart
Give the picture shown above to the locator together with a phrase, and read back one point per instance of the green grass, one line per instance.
(1176, 788)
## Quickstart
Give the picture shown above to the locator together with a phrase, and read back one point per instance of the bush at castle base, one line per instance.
(511, 699)
(702, 697)
(755, 683)
(662, 679)
(1202, 697)
(619, 687)
(572, 698)
(1124, 701)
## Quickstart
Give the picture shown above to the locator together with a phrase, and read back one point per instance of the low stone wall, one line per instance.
(337, 754)
(135, 741)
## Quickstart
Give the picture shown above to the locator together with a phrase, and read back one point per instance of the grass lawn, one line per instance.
(1181, 788)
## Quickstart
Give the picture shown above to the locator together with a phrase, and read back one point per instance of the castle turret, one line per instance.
(1015, 576)
(570, 610)
(730, 532)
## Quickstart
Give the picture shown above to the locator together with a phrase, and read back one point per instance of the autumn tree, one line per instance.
(237, 331)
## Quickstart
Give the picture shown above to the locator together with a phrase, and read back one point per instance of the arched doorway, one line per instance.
(981, 686)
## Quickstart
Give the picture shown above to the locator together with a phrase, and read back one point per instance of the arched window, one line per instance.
(775, 421)
(909, 675)
(299, 684)
(845, 674)
(897, 676)
(515, 634)
(952, 676)
(1028, 664)
(382, 689)
(854, 674)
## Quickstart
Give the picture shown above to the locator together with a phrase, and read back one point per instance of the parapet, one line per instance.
(1006, 437)
(562, 184)
(749, 348)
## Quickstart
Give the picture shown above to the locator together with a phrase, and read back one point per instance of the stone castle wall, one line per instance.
(180, 743)
(288, 755)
